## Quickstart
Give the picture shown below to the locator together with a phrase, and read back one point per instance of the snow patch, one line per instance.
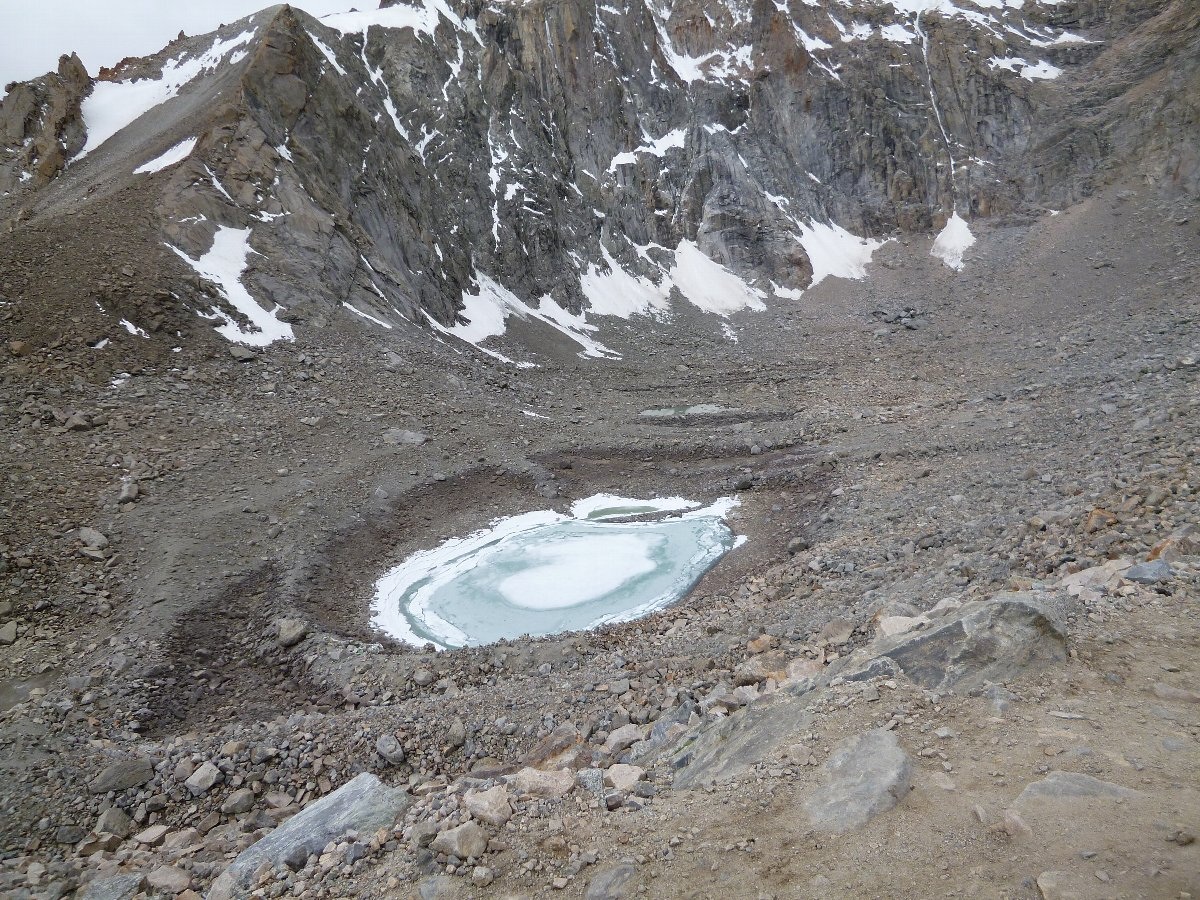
(486, 313)
(1039, 71)
(618, 293)
(358, 312)
(223, 265)
(134, 329)
(834, 251)
(327, 52)
(422, 18)
(952, 242)
(669, 141)
(176, 154)
(708, 285)
(112, 105)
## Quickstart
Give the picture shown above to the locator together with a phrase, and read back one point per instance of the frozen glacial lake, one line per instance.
(544, 572)
(678, 412)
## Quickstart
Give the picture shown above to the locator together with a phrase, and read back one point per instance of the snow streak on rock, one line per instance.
(223, 265)
(176, 154)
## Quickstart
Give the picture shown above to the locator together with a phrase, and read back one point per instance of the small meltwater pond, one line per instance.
(544, 572)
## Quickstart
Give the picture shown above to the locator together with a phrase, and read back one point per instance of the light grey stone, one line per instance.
(866, 775)
(118, 887)
(388, 747)
(122, 775)
(202, 780)
(613, 882)
(490, 806)
(465, 841)
(114, 821)
(290, 632)
(1154, 572)
(363, 804)
(1060, 785)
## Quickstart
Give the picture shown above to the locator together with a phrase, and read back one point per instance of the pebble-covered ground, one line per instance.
(190, 542)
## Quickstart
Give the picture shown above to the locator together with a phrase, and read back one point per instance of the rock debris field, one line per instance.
(956, 657)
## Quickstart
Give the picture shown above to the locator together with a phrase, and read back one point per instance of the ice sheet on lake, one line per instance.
(544, 572)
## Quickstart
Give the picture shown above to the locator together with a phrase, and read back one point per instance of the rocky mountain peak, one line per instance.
(448, 166)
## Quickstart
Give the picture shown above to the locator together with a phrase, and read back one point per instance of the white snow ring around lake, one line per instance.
(545, 573)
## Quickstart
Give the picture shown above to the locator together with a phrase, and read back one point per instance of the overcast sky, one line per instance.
(34, 33)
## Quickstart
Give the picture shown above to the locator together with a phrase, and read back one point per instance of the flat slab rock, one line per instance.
(1073, 785)
(364, 804)
(614, 882)
(118, 887)
(867, 775)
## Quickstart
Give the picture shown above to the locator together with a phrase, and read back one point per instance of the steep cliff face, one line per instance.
(41, 127)
(450, 165)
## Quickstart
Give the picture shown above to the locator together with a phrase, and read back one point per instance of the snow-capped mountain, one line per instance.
(448, 164)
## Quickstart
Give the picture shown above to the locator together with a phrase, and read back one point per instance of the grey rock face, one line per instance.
(532, 146)
(867, 775)
(989, 641)
(40, 125)
(363, 804)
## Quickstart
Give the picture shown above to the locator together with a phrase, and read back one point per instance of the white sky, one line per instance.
(34, 33)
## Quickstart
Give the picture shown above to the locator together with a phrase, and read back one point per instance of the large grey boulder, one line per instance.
(867, 775)
(118, 887)
(363, 804)
(123, 774)
(986, 641)
(729, 746)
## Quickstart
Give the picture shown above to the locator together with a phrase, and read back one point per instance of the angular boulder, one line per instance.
(549, 785)
(491, 806)
(612, 882)
(866, 775)
(993, 640)
(122, 775)
(465, 841)
(118, 887)
(364, 804)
